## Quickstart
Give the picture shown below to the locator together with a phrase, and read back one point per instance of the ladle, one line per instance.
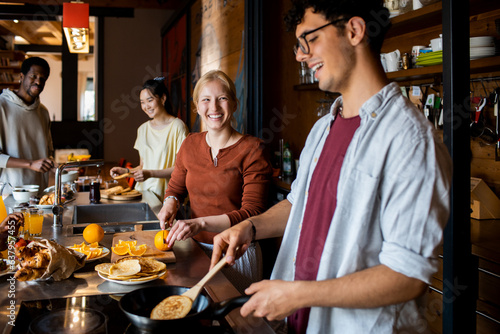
(178, 306)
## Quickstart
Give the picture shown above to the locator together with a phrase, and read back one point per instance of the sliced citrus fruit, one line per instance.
(137, 251)
(120, 249)
(94, 245)
(127, 242)
(96, 252)
(88, 253)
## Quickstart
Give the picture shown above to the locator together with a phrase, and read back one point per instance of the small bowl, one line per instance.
(69, 176)
(23, 195)
(28, 187)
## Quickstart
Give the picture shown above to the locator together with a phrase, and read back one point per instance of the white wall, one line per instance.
(51, 96)
(132, 55)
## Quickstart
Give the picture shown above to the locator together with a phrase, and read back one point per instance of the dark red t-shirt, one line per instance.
(320, 207)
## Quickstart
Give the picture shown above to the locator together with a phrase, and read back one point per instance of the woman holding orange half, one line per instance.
(225, 173)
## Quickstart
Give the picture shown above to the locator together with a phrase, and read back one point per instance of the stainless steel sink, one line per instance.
(112, 213)
(113, 217)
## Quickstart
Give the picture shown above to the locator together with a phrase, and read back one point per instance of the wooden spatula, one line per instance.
(195, 290)
(178, 306)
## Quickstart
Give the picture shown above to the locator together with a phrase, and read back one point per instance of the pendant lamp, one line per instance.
(76, 26)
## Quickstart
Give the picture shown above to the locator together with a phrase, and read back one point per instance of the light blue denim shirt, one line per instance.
(392, 205)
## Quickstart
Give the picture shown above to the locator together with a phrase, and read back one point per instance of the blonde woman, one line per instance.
(225, 173)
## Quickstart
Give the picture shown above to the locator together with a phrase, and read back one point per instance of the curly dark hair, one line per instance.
(26, 65)
(157, 87)
(372, 12)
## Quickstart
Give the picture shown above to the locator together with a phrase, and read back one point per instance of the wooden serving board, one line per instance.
(121, 197)
(143, 237)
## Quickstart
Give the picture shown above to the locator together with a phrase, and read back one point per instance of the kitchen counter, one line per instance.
(190, 266)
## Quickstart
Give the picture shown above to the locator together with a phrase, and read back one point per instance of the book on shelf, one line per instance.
(6, 77)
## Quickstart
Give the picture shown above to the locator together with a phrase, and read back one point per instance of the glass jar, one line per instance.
(95, 192)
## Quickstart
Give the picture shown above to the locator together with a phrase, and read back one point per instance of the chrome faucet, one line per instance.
(58, 208)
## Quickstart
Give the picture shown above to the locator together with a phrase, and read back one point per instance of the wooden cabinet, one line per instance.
(488, 299)
(485, 238)
(418, 27)
(10, 68)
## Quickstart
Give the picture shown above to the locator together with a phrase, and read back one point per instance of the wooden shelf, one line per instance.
(313, 86)
(284, 183)
(426, 16)
(429, 73)
(11, 67)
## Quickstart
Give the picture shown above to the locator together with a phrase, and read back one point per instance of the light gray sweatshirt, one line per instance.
(24, 134)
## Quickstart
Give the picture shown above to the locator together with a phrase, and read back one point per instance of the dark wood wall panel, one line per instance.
(288, 113)
(219, 27)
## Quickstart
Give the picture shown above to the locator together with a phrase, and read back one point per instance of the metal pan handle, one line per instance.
(222, 308)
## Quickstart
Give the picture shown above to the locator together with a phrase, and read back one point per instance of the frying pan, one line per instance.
(138, 304)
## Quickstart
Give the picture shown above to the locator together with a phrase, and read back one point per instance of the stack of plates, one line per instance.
(482, 46)
(430, 58)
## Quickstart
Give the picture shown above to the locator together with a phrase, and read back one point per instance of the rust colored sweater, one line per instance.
(237, 187)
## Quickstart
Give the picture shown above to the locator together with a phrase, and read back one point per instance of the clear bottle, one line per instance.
(287, 161)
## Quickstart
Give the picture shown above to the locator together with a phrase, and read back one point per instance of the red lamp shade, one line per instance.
(75, 15)
(76, 26)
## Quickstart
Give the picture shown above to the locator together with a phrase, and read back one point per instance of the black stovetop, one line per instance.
(117, 321)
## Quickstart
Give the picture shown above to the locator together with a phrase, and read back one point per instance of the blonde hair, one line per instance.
(212, 76)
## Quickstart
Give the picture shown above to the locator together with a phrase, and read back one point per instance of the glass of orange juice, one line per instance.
(3, 210)
(3, 215)
(35, 222)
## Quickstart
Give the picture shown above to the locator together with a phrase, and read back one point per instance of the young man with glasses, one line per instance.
(363, 222)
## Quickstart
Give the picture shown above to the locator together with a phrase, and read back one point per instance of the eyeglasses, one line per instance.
(304, 46)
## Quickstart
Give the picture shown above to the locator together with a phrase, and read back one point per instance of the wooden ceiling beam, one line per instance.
(25, 31)
(55, 29)
(159, 4)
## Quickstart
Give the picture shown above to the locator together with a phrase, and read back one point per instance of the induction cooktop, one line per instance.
(99, 307)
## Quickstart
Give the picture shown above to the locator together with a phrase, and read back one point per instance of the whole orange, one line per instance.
(160, 240)
(93, 233)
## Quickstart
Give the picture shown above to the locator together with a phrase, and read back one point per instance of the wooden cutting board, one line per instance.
(121, 197)
(119, 194)
(143, 237)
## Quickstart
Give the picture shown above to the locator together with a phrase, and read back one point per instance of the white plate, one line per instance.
(482, 41)
(47, 206)
(105, 252)
(483, 49)
(129, 282)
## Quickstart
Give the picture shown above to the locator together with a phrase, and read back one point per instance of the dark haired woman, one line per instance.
(158, 140)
